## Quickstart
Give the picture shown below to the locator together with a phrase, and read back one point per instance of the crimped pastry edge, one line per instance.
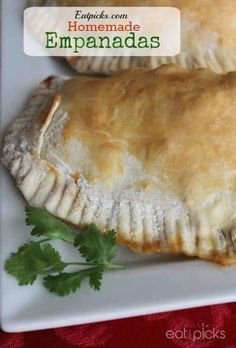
(217, 61)
(45, 186)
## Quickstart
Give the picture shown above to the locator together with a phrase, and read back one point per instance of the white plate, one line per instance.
(150, 284)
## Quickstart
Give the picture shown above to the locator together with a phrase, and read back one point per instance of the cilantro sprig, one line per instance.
(40, 258)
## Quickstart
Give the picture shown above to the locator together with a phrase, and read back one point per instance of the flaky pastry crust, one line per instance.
(148, 153)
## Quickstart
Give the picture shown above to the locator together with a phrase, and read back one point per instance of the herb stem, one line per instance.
(104, 265)
(114, 266)
(80, 264)
(43, 240)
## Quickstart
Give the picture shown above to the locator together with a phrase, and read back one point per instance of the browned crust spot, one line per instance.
(49, 111)
(47, 82)
(72, 60)
(76, 176)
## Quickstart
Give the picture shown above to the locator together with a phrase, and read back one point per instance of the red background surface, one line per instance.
(147, 331)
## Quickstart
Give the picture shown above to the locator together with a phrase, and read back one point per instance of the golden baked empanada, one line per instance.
(208, 36)
(148, 153)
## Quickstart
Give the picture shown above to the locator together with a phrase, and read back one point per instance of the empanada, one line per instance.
(148, 153)
(208, 36)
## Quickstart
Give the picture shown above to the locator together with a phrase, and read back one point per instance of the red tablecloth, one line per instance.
(212, 326)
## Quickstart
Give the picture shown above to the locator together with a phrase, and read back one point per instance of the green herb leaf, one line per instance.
(95, 278)
(96, 247)
(48, 226)
(33, 259)
(40, 258)
(66, 283)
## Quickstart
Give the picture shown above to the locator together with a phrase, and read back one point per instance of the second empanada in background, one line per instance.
(208, 36)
